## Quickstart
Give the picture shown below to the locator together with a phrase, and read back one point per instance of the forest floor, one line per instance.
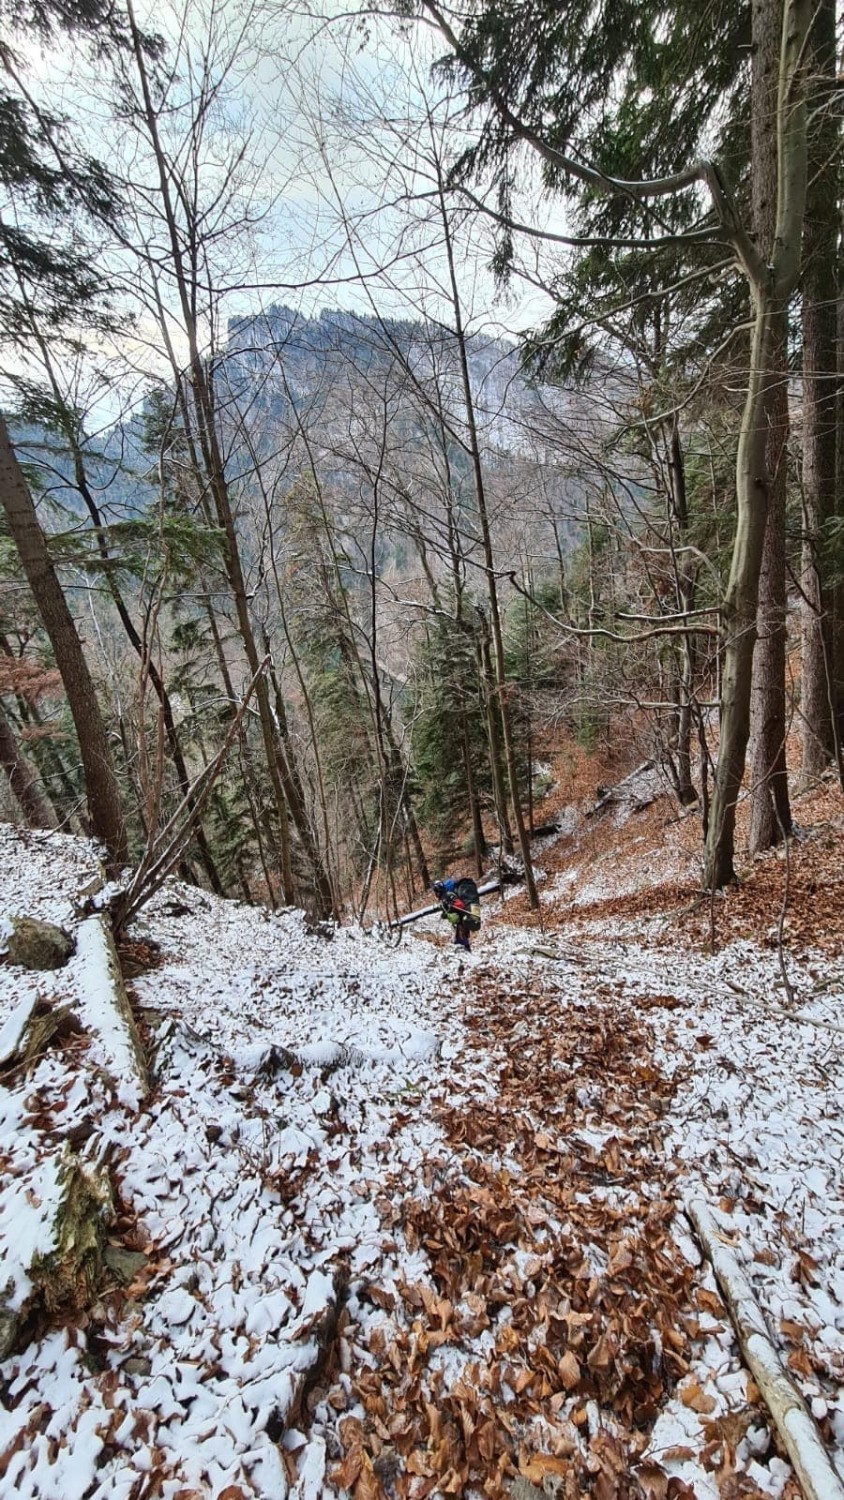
(409, 1223)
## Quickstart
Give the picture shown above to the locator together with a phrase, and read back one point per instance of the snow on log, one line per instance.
(803, 1443)
(13, 1032)
(52, 1229)
(30, 1029)
(105, 1012)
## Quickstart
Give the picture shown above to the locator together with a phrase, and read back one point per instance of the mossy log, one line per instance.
(54, 1220)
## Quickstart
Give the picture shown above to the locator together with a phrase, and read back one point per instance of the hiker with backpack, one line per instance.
(461, 907)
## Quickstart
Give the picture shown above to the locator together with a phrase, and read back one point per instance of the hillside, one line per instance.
(394, 1223)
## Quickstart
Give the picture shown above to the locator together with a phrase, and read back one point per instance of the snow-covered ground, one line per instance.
(333, 1122)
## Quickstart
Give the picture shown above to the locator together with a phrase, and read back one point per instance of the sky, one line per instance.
(304, 96)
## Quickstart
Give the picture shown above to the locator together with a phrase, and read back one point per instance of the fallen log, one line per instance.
(789, 1413)
(13, 1033)
(31, 1028)
(53, 1221)
(105, 1012)
(802, 1017)
(540, 951)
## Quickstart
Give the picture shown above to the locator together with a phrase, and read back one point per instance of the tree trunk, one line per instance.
(770, 810)
(685, 576)
(295, 797)
(770, 815)
(489, 559)
(24, 787)
(478, 840)
(100, 780)
(505, 836)
(69, 430)
(820, 249)
(837, 651)
(201, 386)
(771, 282)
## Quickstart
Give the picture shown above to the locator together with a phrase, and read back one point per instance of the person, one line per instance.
(460, 906)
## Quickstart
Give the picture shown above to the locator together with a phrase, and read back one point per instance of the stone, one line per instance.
(124, 1263)
(39, 945)
(137, 1365)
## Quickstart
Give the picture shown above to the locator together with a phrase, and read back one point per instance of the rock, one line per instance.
(124, 1263)
(137, 1365)
(39, 945)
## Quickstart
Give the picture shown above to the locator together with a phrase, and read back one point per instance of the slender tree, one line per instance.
(820, 739)
(770, 811)
(103, 795)
(23, 784)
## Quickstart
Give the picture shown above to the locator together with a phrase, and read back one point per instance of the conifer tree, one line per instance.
(544, 74)
(45, 182)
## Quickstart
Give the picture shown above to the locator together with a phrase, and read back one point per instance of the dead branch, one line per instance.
(804, 1445)
(165, 850)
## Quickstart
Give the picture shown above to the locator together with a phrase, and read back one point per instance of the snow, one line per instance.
(13, 1028)
(27, 1227)
(112, 1046)
(291, 1110)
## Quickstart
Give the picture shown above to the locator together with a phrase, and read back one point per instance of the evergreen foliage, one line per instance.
(447, 724)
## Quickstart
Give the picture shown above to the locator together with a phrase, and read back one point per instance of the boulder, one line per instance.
(39, 945)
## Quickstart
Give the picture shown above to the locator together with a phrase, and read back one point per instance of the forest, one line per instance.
(297, 596)
(421, 461)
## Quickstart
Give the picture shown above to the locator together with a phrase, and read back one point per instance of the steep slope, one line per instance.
(393, 1222)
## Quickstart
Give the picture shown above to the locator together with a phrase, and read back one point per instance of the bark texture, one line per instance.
(771, 282)
(100, 781)
(25, 788)
(770, 815)
(819, 402)
(63, 1276)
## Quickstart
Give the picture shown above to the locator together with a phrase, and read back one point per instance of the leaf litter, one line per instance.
(409, 1226)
